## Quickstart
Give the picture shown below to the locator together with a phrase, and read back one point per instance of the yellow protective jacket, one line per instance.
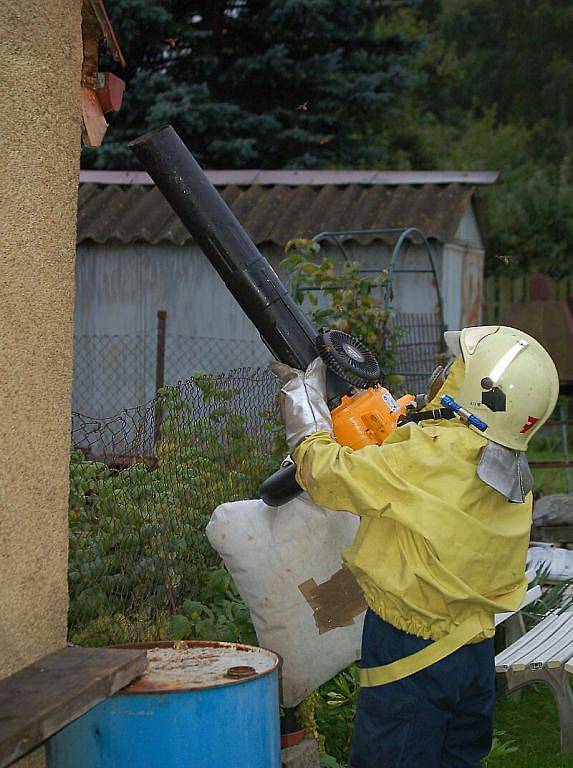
(436, 545)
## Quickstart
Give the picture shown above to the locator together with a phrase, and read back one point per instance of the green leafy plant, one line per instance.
(216, 613)
(306, 718)
(327, 761)
(500, 747)
(328, 715)
(336, 711)
(556, 598)
(340, 296)
(140, 565)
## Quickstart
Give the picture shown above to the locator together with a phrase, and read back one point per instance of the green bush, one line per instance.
(350, 301)
(216, 613)
(140, 564)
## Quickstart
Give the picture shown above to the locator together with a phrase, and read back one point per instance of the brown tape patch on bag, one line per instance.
(335, 602)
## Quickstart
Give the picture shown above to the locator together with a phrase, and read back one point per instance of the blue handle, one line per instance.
(449, 402)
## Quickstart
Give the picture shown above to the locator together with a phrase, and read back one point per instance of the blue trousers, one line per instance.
(440, 717)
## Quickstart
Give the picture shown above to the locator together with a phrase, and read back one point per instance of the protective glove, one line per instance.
(303, 400)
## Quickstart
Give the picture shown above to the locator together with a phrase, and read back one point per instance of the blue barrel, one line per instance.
(199, 705)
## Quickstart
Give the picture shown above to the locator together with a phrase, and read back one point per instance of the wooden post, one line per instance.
(489, 303)
(159, 368)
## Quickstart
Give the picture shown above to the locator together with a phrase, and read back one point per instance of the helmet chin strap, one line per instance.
(436, 414)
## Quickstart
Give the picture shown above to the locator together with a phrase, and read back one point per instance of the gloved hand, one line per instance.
(303, 400)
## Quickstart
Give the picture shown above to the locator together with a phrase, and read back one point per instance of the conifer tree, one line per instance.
(260, 83)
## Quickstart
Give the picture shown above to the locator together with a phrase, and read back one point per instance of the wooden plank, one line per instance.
(562, 655)
(495, 316)
(41, 699)
(505, 291)
(515, 289)
(503, 659)
(550, 464)
(534, 647)
(524, 287)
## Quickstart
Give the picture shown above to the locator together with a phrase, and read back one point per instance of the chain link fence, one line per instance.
(112, 373)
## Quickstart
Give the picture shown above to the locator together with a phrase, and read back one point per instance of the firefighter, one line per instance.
(445, 514)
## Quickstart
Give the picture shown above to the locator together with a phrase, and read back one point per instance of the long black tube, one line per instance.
(284, 328)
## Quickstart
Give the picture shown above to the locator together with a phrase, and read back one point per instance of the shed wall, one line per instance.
(40, 61)
(463, 265)
(468, 231)
(414, 291)
(120, 289)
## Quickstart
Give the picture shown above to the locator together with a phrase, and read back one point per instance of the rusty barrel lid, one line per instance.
(189, 665)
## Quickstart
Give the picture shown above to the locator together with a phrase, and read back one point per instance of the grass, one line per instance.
(533, 726)
(547, 446)
(531, 723)
(549, 480)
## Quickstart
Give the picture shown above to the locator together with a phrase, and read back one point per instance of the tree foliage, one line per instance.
(424, 84)
(336, 294)
(259, 83)
(494, 93)
(516, 56)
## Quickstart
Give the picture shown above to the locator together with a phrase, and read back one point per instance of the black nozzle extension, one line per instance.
(284, 328)
(281, 487)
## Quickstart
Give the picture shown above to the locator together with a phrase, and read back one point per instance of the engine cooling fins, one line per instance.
(348, 357)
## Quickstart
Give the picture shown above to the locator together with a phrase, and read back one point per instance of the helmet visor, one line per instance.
(472, 337)
(452, 339)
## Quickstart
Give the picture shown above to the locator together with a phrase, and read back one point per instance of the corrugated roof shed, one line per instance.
(276, 212)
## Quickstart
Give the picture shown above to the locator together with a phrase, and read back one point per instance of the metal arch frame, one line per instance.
(338, 237)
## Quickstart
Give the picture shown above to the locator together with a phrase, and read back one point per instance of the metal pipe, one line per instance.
(284, 328)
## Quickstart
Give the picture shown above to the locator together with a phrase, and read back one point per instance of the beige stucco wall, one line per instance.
(40, 69)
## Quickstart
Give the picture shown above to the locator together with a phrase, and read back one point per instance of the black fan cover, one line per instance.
(348, 358)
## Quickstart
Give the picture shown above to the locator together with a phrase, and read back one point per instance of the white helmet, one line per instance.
(510, 382)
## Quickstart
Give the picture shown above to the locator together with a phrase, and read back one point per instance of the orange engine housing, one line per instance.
(368, 416)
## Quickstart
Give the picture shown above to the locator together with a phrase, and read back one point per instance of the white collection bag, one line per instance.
(286, 564)
(556, 561)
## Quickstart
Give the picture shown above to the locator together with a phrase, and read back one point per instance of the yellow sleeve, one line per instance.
(363, 482)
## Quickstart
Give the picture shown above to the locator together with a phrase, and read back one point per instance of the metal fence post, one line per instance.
(159, 369)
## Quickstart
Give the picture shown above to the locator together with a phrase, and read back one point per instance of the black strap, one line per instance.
(438, 413)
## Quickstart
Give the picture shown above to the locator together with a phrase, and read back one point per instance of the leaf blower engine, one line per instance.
(363, 411)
